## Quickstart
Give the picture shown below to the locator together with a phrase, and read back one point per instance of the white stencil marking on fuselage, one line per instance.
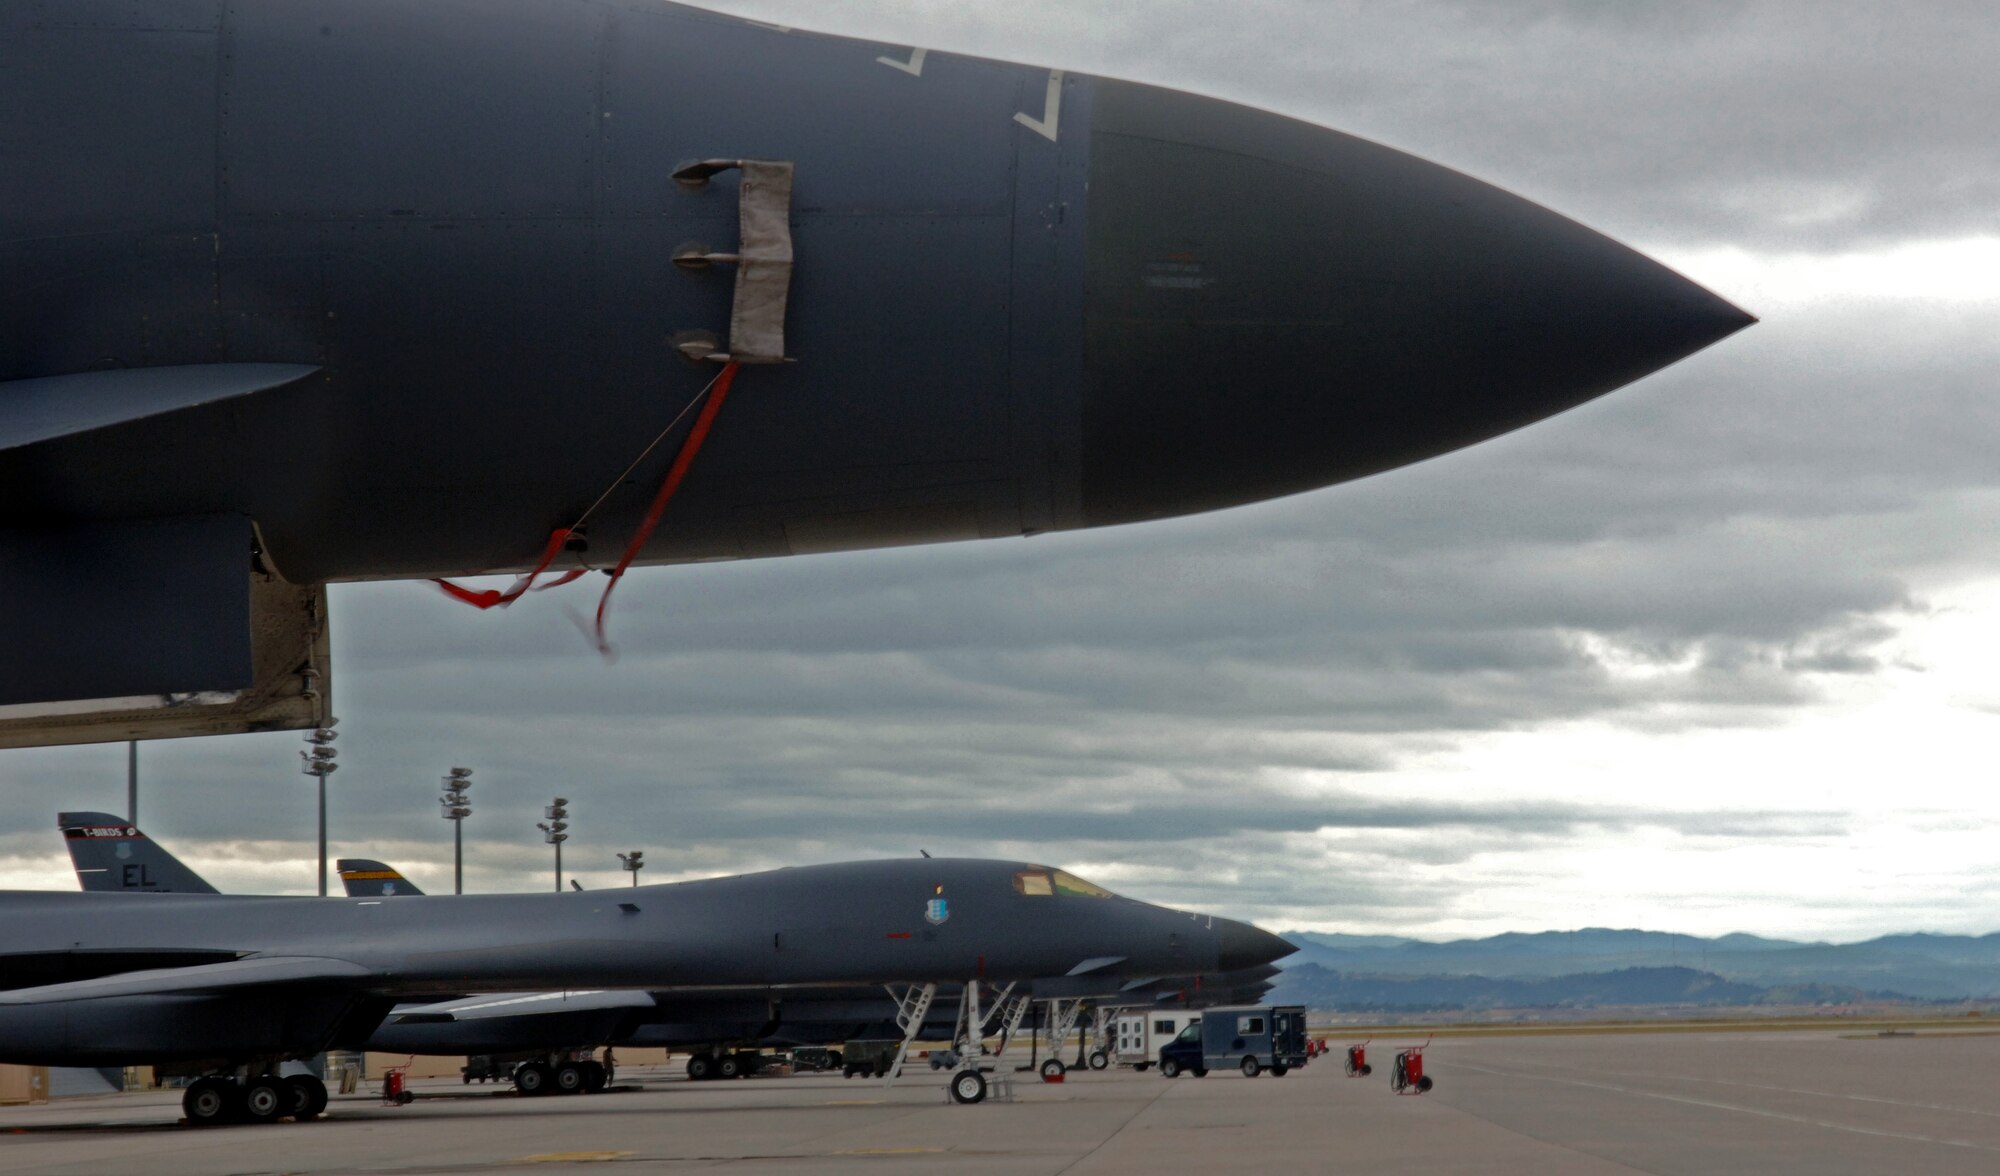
(1050, 124)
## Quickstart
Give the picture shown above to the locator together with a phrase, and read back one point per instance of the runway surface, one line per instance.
(1768, 1103)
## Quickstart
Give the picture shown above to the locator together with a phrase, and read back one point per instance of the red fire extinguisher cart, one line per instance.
(1357, 1060)
(1409, 1076)
(394, 1091)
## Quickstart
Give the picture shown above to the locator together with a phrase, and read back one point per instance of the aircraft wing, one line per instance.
(520, 1004)
(252, 972)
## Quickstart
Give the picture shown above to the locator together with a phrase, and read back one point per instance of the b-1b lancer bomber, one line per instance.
(542, 1031)
(308, 291)
(232, 986)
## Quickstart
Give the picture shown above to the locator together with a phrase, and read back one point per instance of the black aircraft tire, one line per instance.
(1098, 1060)
(1170, 1068)
(308, 1097)
(534, 1078)
(595, 1077)
(968, 1086)
(1054, 1068)
(700, 1068)
(265, 1100)
(570, 1079)
(729, 1066)
(1251, 1068)
(209, 1102)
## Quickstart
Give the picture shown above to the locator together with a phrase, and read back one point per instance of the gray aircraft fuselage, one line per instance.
(1024, 301)
(111, 855)
(857, 923)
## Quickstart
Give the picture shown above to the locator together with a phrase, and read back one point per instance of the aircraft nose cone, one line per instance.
(1240, 946)
(1274, 307)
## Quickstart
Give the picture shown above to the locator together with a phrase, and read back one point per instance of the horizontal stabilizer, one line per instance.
(254, 972)
(33, 411)
(521, 1004)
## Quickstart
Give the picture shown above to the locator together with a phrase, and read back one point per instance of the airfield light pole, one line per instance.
(318, 763)
(633, 863)
(456, 808)
(552, 832)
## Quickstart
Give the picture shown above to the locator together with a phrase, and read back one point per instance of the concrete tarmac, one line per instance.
(1708, 1103)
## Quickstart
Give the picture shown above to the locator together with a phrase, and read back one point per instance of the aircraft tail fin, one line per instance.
(111, 854)
(371, 879)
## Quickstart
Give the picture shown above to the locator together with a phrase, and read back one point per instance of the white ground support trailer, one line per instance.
(1136, 1037)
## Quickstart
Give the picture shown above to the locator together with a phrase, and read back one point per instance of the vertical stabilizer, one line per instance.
(369, 879)
(111, 854)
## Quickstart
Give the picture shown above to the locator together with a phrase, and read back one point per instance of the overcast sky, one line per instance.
(1715, 653)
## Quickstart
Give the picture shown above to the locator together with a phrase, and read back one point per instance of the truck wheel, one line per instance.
(1280, 1071)
(1199, 1071)
(1250, 1067)
(1098, 1061)
(1053, 1068)
(968, 1086)
(1169, 1068)
(1142, 1067)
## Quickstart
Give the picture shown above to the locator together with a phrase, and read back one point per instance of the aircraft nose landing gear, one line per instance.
(968, 1086)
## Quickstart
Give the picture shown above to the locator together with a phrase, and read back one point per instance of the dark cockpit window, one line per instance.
(1043, 883)
(1034, 883)
(1070, 884)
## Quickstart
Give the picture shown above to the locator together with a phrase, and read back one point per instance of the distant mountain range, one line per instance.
(1621, 964)
(1319, 988)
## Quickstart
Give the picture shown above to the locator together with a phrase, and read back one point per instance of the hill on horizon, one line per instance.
(1918, 965)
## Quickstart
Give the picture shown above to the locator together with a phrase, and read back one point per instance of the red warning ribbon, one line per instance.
(682, 460)
(494, 598)
(697, 435)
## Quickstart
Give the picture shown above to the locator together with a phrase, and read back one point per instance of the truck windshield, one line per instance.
(1191, 1033)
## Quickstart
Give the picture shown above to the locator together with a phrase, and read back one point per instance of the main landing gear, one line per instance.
(217, 1099)
(561, 1076)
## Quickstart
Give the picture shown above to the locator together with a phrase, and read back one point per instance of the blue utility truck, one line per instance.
(1248, 1038)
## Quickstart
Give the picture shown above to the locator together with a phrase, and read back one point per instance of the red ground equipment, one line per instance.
(1357, 1060)
(394, 1092)
(1409, 1077)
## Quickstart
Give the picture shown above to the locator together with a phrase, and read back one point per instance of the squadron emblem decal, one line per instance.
(937, 911)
